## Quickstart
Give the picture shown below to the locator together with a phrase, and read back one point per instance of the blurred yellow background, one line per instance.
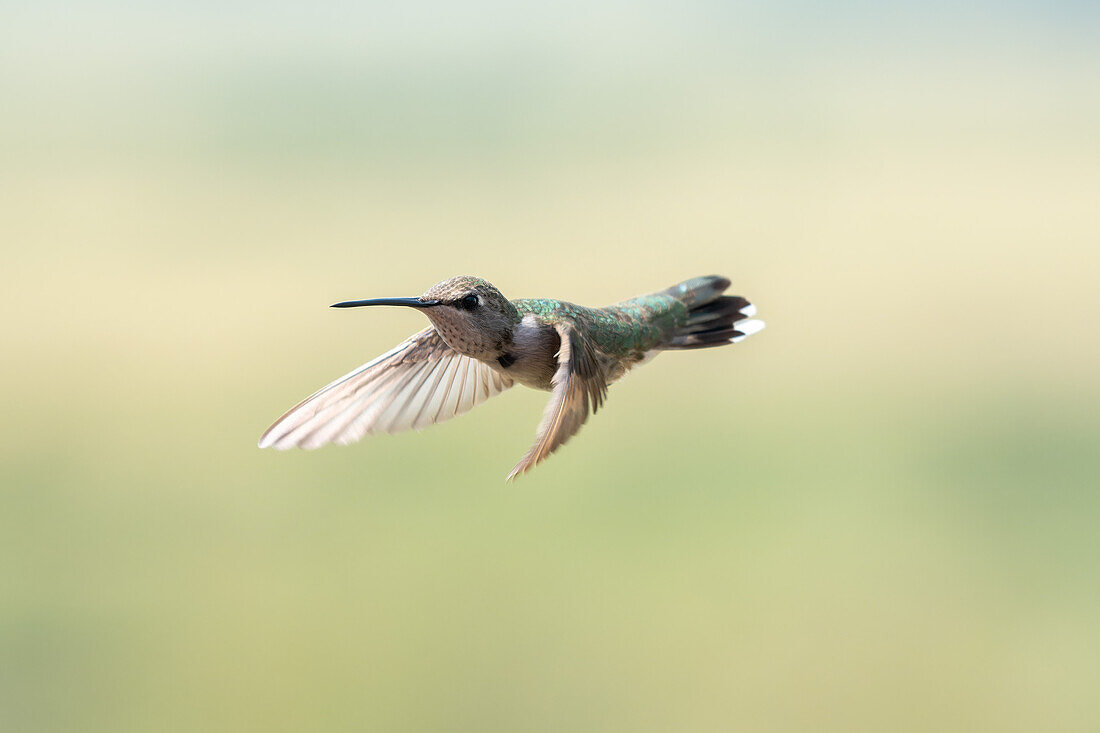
(878, 514)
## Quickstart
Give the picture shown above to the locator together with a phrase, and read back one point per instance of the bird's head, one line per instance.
(471, 315)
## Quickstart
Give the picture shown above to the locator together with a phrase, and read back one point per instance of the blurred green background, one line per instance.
(878, 514)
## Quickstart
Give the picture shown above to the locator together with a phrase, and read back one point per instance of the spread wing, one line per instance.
(579, 384)
(420, 382)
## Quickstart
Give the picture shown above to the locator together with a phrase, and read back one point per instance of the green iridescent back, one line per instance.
(631, 327)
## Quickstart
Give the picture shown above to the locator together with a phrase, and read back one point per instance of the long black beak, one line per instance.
(410, 302)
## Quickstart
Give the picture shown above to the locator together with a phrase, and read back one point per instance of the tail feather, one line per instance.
(699, 290)
(713, 319)
(725, 309)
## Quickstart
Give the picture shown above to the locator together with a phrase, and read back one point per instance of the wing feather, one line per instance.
(466, 394)
(330, 421)
(419, 382)
(446, 390)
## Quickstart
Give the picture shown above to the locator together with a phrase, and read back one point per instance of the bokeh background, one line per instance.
(879, 514)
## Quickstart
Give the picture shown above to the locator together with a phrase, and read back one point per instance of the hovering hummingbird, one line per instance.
(480, 344)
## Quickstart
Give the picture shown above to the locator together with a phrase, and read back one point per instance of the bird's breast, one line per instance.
(531, 359)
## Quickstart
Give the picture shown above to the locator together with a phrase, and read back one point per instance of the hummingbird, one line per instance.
(480, 343)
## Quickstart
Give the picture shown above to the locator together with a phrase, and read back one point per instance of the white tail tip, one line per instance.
(747, 328)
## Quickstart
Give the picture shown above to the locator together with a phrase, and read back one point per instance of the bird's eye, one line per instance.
(469, 302)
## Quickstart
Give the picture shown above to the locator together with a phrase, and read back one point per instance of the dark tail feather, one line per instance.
(698, 290)
(713, 319)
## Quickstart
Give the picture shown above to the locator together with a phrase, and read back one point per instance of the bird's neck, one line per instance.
(486, 343)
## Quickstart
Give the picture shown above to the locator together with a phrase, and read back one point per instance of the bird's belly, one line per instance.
(531, 373)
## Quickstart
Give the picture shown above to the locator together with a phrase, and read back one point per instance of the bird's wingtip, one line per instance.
(271, 440)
